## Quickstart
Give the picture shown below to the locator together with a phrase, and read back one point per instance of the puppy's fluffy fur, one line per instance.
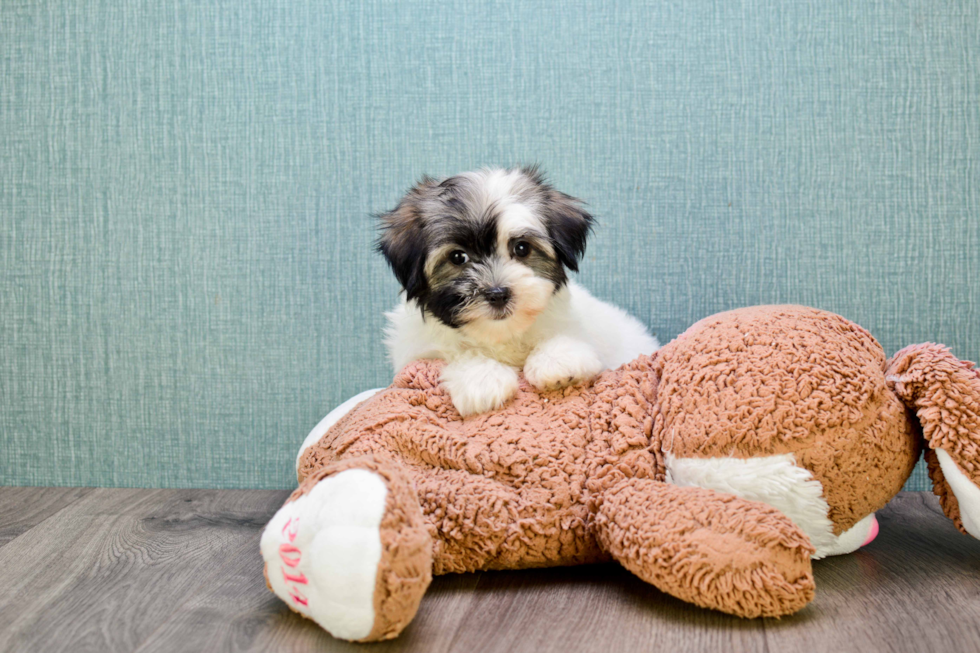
(482, 258)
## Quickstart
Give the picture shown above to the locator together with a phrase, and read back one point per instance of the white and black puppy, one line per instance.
(482, 257)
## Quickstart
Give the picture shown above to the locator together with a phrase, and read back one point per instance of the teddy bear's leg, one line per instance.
(780, 482)
(944, 392)
(860, 534)
(350, 550)
(713, 549)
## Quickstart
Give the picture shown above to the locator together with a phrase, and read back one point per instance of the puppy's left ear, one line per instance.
(568, 226)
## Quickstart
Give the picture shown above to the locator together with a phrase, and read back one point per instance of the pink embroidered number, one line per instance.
(290, 556)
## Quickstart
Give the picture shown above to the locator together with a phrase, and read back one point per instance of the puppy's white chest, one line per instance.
(511, 353)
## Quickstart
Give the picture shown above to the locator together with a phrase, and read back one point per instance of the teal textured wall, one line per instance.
(186, 280)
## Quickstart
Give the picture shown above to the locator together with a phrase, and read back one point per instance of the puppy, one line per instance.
(483, 259)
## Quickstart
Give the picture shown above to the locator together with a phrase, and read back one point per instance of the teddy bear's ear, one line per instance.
(402, 239)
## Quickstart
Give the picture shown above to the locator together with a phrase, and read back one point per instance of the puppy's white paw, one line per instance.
(322, 550)
(478, 384)
(560, 362)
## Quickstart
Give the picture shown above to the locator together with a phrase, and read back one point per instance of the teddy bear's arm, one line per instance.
(944, 392)
(709, 548)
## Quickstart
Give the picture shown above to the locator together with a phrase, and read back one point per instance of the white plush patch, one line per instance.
(477, 384)
(322, 552)
(967, 494)
(561, 361)
(852, 539)
(332, 418)
(774, 480)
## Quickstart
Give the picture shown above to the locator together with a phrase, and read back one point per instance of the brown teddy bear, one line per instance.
(715, 469)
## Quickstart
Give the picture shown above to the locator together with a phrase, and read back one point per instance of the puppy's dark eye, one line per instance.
(458, 257)
(521, 249)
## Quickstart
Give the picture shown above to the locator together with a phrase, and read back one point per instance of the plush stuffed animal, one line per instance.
(716, 470)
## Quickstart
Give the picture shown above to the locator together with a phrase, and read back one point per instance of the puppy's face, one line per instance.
(484, 251)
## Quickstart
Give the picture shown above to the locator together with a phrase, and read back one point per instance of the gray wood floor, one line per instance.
(179, 570)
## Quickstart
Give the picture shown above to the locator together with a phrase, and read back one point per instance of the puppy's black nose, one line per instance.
(497, 297)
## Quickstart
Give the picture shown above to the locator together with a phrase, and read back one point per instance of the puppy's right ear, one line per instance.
(568, 227)
(402, 240)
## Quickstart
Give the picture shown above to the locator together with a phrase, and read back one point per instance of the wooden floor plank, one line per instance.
(915, 588)
(444, 607)
(117, 563)
(593, 608)
(179, 570)
(22, 508)
(239, 613)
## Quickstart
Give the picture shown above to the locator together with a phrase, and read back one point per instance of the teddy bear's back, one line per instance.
(772, 380)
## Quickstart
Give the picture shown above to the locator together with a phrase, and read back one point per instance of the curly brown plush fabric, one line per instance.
(945, 393)
(711, 549)
(579, 475)
(786, 379)
(497, 492)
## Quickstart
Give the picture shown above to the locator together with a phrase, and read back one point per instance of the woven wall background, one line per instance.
(186, 281)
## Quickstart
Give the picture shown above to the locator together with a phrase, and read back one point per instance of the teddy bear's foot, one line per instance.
(713, 549)
(349, 551)
(860, 534)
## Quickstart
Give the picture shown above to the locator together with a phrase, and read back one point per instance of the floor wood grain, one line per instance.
(22, 508)
(111, 568)
(915, 588)
(179, 570)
